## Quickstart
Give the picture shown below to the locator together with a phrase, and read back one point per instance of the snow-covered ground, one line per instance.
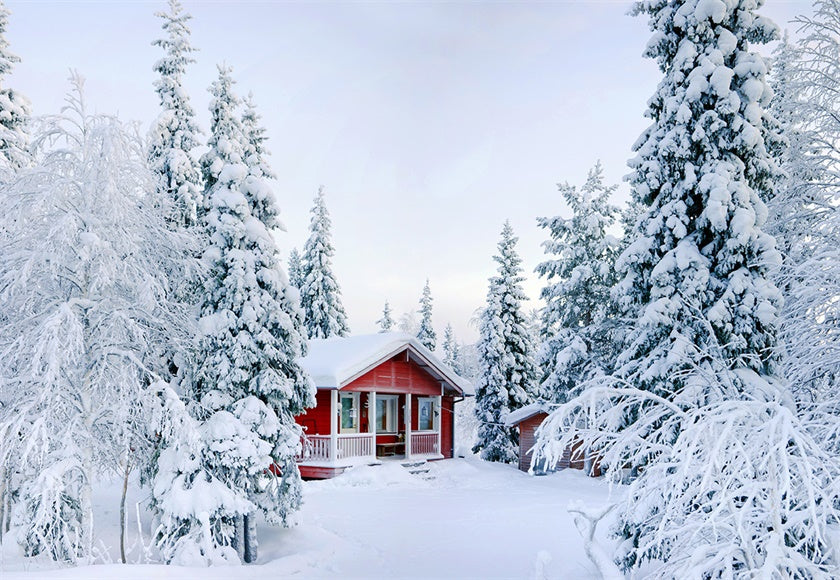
(466, 519)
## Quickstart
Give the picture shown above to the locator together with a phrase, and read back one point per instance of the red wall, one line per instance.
(317, 419)
(396, 376)
(447, 420)
(527, 428)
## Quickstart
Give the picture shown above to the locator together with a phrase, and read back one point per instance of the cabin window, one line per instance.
(386, 414)
(425, 414)
(349, 413)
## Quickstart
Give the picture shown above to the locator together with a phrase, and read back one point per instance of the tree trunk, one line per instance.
(8, 501)
(122, 508)
(239, 536)
(4, 502)
(251, 538)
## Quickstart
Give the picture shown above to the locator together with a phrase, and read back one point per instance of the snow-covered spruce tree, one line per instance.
(175, 133)
(320, 295)
(14, 155)
(577, 320)
(451, 350)
(226, 142)
(732, 485)
(172, 138)
(254, 154)
(249, 385)
(283, 384)
(295, 269)
(386, 323)
(426, 333)
(507, 375)
(14, 111)
(84, 293)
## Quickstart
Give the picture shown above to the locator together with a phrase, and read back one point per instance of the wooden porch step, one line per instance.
(417, 467)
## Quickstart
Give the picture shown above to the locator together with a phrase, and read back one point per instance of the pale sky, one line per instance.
(428, 124)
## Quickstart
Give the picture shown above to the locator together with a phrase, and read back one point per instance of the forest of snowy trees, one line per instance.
(689, 339)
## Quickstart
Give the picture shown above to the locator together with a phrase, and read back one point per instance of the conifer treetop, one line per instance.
(426, 334)
(320, 294)
(226, 142)
(14, 108)
(174, 133)
(177, 48)
(264, 204)
(7, 59)
(386, 323)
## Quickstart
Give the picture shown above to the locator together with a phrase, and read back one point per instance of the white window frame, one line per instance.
(391, 408)
(354, 413)
(433, 403)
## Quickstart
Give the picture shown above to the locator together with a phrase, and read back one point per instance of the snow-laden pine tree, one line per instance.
(451, 350)
(320, 295)
(295, 269)
(85, 300)
(426, 333)
(174, 134)
(578, 341)
(386, 323)
(178, 184)
(507, 374)
(226, 142)
(249, 385)
(731, 483)
(280, 382)
(254, 154)
(14, 111)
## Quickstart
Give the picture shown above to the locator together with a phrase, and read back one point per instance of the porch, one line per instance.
(345, 450)
(365, 426)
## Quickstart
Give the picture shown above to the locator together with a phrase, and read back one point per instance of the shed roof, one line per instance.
(335, 362)
(526, 412)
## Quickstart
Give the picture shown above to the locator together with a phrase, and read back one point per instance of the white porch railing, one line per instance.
(355, 445)
(314, 448)
(317, 447)
(424, 443)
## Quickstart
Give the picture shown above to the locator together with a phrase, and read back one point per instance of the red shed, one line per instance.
(379, 395)
(528, 419)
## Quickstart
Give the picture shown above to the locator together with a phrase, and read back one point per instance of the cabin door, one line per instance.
(349, 409)
(426, 414)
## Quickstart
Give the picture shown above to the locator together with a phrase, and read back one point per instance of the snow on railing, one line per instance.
(354, 445)
(424, 443)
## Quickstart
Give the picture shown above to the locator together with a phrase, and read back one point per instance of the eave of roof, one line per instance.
(526, 412)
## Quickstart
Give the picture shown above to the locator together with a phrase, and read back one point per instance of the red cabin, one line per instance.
(379, 395)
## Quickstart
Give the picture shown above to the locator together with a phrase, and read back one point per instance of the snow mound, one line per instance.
(374, 477)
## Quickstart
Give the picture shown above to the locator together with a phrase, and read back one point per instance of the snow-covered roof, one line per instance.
(526, 412)
(334, 362)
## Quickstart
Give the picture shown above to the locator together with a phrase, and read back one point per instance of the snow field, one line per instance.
(470, 520)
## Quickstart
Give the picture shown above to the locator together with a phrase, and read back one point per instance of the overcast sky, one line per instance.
(428, 124)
